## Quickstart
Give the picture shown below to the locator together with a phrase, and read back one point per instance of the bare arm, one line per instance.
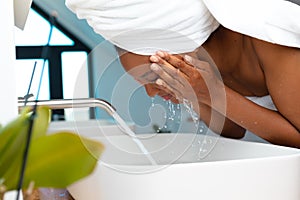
(220, 124)
(282, 72)
(280, 127)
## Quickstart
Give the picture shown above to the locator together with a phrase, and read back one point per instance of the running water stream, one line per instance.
(133, 136)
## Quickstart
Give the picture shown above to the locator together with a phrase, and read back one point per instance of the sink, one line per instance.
(89, 128)
(189, 166)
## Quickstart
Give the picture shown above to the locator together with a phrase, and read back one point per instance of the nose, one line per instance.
(151, 90)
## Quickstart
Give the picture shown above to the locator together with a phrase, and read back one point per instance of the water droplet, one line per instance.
(152, 102)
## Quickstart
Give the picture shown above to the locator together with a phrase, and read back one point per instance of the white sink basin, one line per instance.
(90, 128)
(223, 169)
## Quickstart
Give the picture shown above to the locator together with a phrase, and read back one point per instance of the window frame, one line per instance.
(54, 58)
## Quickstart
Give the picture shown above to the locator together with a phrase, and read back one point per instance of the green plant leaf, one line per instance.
(13, 137)
(60, 159)
(12, 140)
(41, 122)
(55, 160)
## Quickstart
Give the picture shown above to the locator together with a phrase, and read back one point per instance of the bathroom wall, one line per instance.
(8, 102)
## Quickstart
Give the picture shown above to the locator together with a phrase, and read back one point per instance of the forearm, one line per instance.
(269, 125)
(220, 124)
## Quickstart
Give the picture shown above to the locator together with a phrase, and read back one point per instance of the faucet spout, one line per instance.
(55, 104)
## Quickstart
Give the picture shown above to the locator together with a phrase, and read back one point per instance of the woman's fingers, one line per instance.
(186, 64)
(168, 76)
(173, 77)
(185, 76)
(178, 62)
(167, 87)
(173, 71)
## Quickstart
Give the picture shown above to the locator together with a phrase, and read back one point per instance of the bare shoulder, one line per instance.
(267, 51)
(276, 59)
(281, 67)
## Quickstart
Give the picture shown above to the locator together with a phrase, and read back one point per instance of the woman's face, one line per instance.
(138, 66)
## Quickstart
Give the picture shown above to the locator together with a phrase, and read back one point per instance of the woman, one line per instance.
(246, 63)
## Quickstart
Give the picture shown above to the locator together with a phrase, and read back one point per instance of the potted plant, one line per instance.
(54, 160)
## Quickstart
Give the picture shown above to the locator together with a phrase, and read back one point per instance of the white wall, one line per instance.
(8, 101)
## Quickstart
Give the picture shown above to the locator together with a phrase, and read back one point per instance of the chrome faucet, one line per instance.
(55, 104)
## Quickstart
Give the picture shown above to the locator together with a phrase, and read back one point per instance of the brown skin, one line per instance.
(248, 67)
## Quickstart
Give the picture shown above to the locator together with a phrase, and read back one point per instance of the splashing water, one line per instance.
(202, 150)
(152, 102)
(129, 132)
(171, 116)
(190, 110)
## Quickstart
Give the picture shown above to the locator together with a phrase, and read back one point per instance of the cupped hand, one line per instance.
(188, 78)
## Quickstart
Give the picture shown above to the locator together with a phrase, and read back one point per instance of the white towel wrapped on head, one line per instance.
(275, 21)
(180, 26)
(145, 26)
